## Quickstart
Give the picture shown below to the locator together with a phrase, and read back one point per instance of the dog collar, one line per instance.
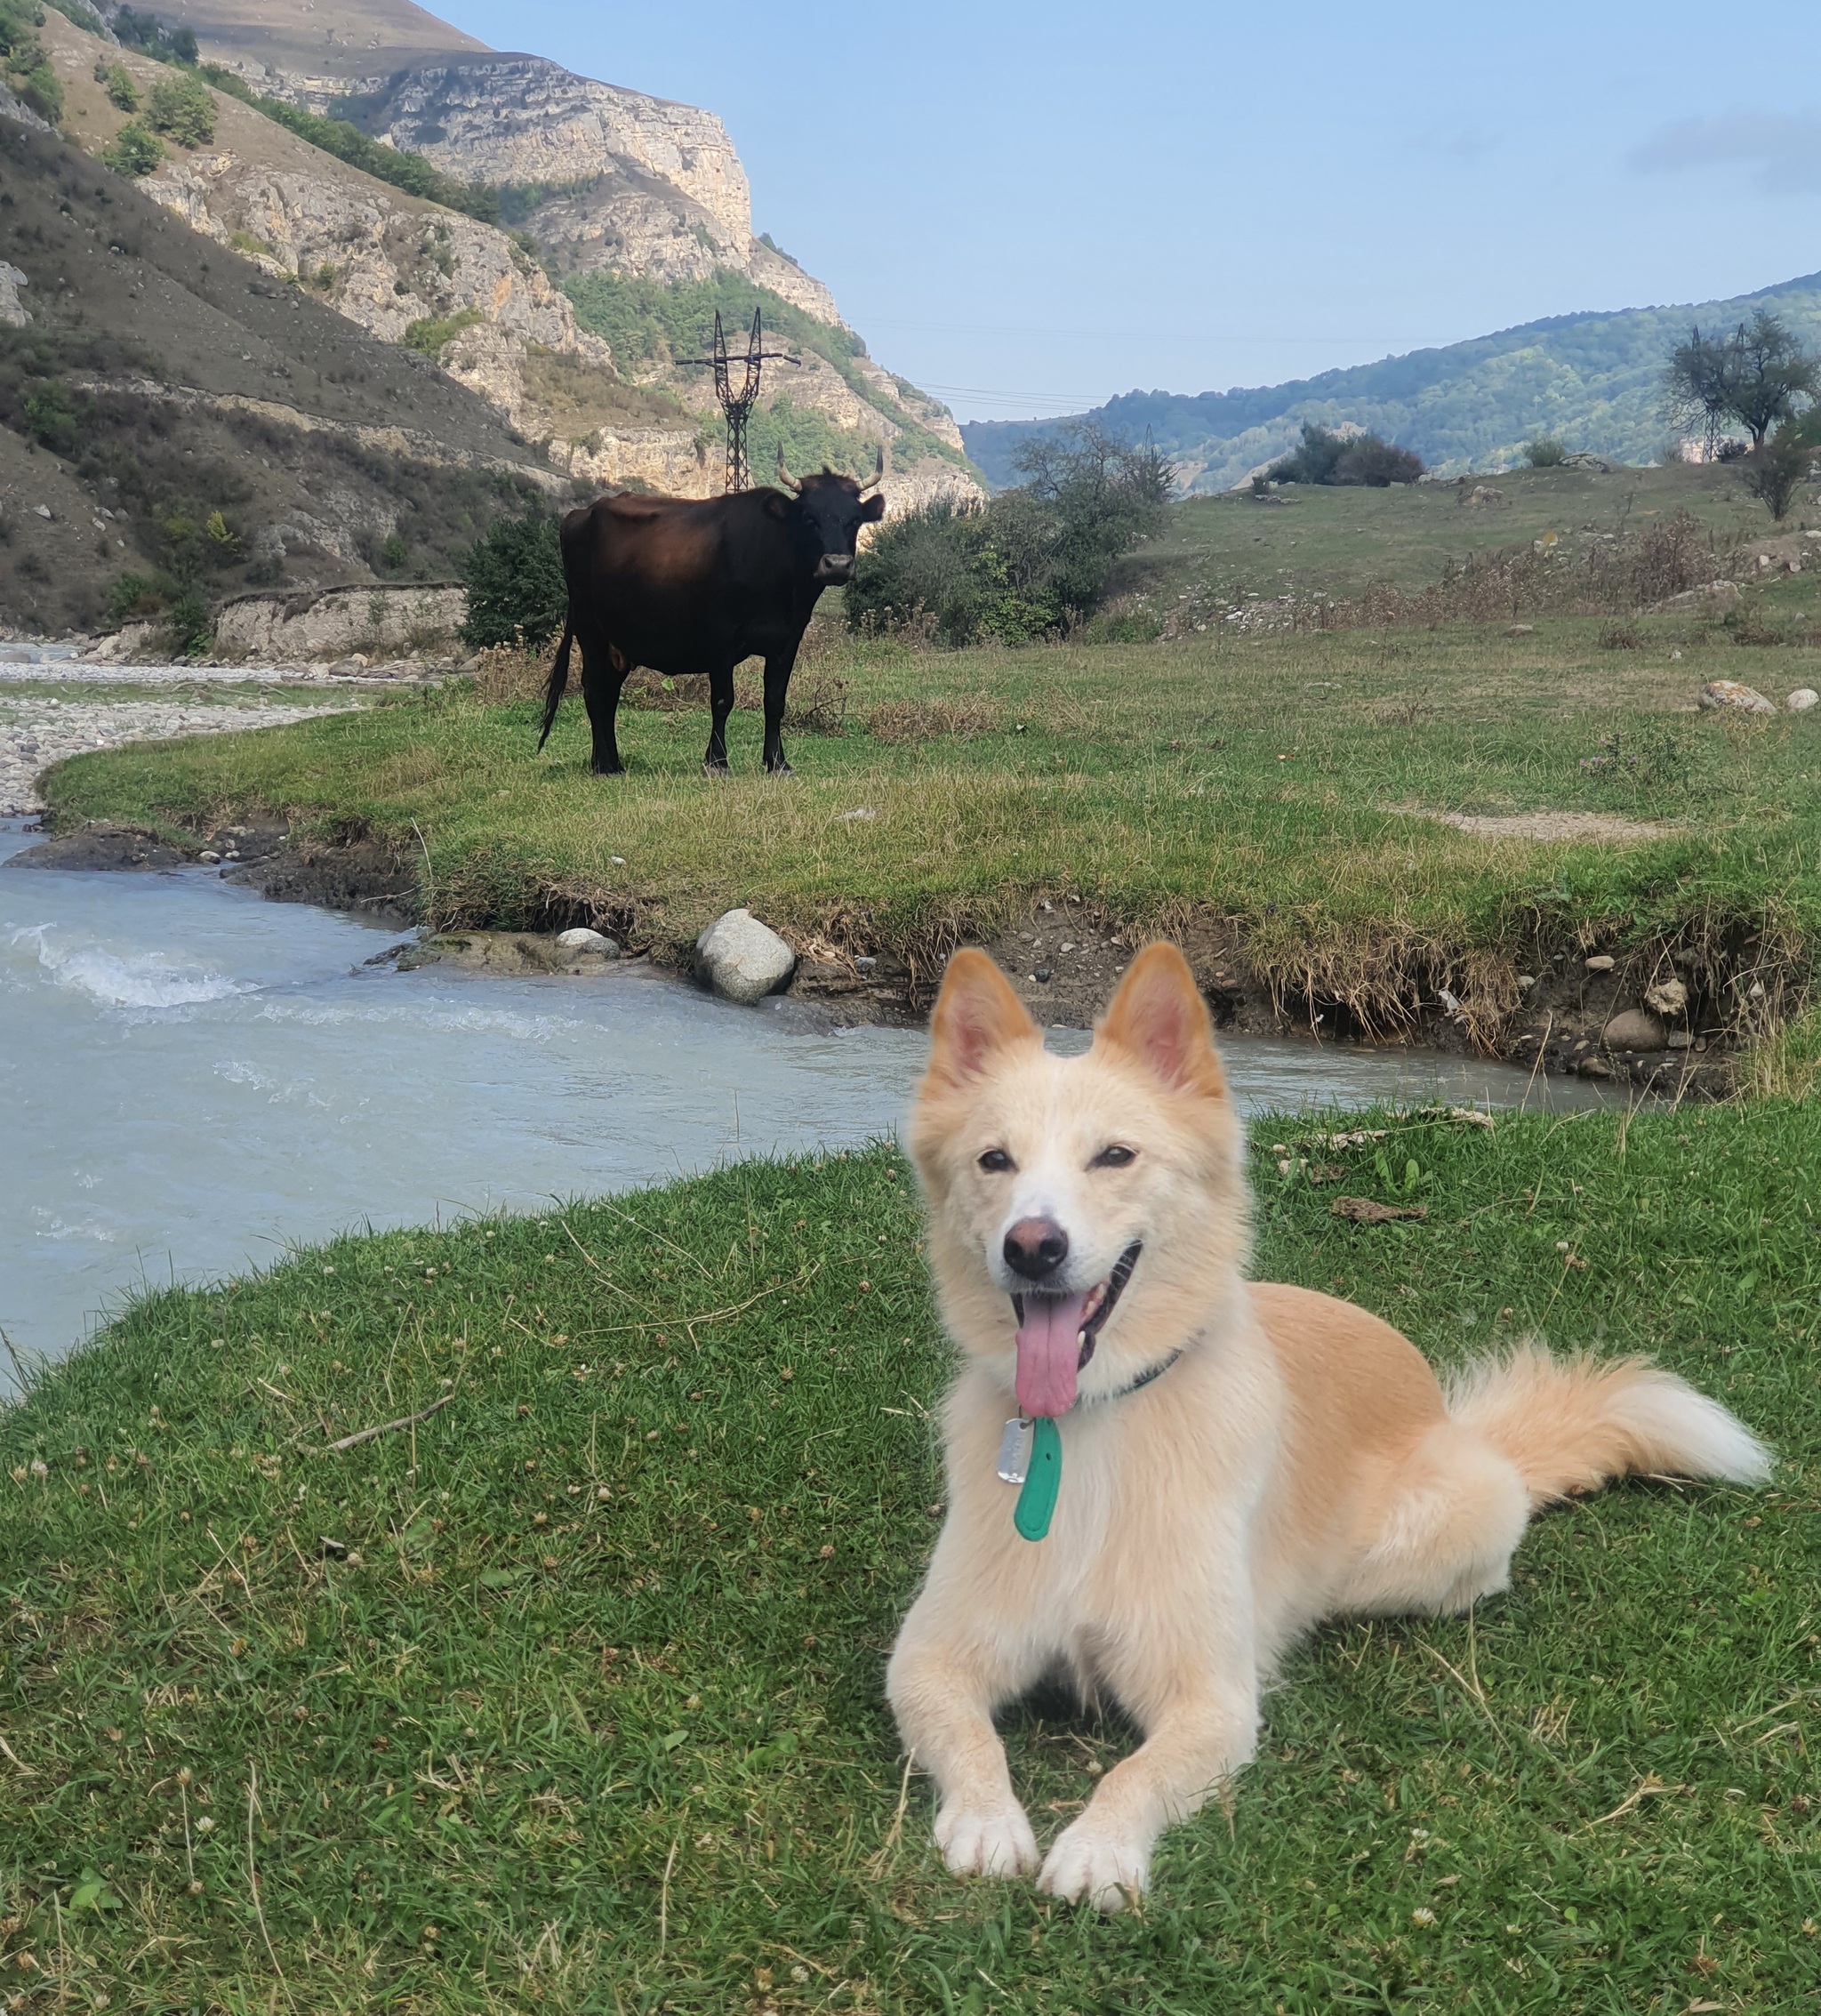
(1038, 1464)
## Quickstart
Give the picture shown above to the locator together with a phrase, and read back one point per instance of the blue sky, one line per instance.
(1028, 209)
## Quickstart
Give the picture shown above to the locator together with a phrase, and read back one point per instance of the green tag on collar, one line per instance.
(1037, 1502)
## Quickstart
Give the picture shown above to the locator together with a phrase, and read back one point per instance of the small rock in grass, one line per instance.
(583, 942)
(1799, 701)
(742, 960)
(1633, 1029)
(1521, 630)
(865, 963)
(1679, 1039)
(1734, 696)
(1600, 962)
(1667, 997)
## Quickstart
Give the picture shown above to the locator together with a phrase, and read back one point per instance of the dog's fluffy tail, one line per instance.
(1571, 1424)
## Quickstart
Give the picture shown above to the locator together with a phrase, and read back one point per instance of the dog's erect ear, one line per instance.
(1158, 1015)
(976, 1014)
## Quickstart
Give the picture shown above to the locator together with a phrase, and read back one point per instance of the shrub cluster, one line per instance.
(1545, 452)
(133, 151)
(1031, 560)
(24, 61)
(183, 107)
(1325, 457)
(514, 579)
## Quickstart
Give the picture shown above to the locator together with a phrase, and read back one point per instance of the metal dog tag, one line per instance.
(1015, 1451)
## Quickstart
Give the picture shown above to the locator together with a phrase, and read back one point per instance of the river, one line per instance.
(193, 1080)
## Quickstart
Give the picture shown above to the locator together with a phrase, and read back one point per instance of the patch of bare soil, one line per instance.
(1553, 826)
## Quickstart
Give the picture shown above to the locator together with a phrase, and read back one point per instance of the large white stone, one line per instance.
(741, 959)
(1734, 695)
(1803, 698)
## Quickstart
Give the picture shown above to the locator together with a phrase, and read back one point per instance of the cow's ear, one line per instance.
(872, 511)
(776, 505)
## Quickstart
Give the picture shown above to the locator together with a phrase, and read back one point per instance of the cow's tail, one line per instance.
(558, 680)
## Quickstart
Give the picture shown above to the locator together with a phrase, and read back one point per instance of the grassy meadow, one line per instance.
(568, 1697)
(1284, 783)
(1343, 540)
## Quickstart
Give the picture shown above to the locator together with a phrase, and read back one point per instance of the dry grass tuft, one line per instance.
(957, 718)
(508, 674)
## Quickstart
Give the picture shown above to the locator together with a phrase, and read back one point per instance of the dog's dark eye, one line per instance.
(995, 1162)
(1114, 1157)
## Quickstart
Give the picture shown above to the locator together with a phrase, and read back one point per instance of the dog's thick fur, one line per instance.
(1298, 1461)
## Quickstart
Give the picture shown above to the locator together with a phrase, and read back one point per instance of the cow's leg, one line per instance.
(720, 700)
(777, 687)
(602, 673)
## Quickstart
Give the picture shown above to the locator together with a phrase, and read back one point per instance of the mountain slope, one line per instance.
(165, 407)
(1592, 381)
(619, 193)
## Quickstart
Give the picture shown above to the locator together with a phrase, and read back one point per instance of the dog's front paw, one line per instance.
(995, 1844)
(1088, 1864)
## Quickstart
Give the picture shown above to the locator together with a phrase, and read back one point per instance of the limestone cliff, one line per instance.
(607, 182)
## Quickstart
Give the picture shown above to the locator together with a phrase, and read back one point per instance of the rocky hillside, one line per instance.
(627, 221)
(174, 420)
(1592, 381)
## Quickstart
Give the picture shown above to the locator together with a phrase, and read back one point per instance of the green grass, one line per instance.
(1341, 540)
(600, 1700)
(1275, 781)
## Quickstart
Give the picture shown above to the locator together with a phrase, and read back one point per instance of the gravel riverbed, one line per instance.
(53, 705)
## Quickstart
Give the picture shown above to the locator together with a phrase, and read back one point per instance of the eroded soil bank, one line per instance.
(1576, 1012)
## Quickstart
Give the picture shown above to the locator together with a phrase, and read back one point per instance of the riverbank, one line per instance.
(569, 1692)
(1371, 833)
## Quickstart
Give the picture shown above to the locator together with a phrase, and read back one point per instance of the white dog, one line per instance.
(1200, 1468)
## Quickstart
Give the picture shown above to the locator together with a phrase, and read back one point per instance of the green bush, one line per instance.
(514, 579)
(24, 62)
(184, 108)
(123, 93)
(1031, 561)
(133, 151)
(1775, 472)
(432, 333)
(137, 596)
(49, 416)
(1329, 458)
(1545, 452)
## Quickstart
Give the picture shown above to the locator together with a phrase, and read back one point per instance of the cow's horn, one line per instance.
(784, 474)
(879, 473)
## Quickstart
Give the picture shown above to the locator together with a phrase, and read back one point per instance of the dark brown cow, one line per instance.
(689, 586)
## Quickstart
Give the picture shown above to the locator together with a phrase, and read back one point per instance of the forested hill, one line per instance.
(1591, 381)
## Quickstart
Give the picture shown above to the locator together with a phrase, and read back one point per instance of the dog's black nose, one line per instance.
(1036, 1247)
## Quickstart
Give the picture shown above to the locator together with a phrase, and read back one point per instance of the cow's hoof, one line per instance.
(606, 769)
(716, 770)
(779, 769)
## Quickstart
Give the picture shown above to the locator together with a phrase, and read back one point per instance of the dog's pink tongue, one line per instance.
(1049, 1348)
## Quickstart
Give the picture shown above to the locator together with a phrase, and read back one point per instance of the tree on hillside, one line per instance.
(1325, 457)
(1775, 472)
(1757, 376)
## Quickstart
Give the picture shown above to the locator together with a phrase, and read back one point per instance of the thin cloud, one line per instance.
(1785, 147)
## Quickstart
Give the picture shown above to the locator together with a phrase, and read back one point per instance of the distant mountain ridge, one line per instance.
(1592, 381)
